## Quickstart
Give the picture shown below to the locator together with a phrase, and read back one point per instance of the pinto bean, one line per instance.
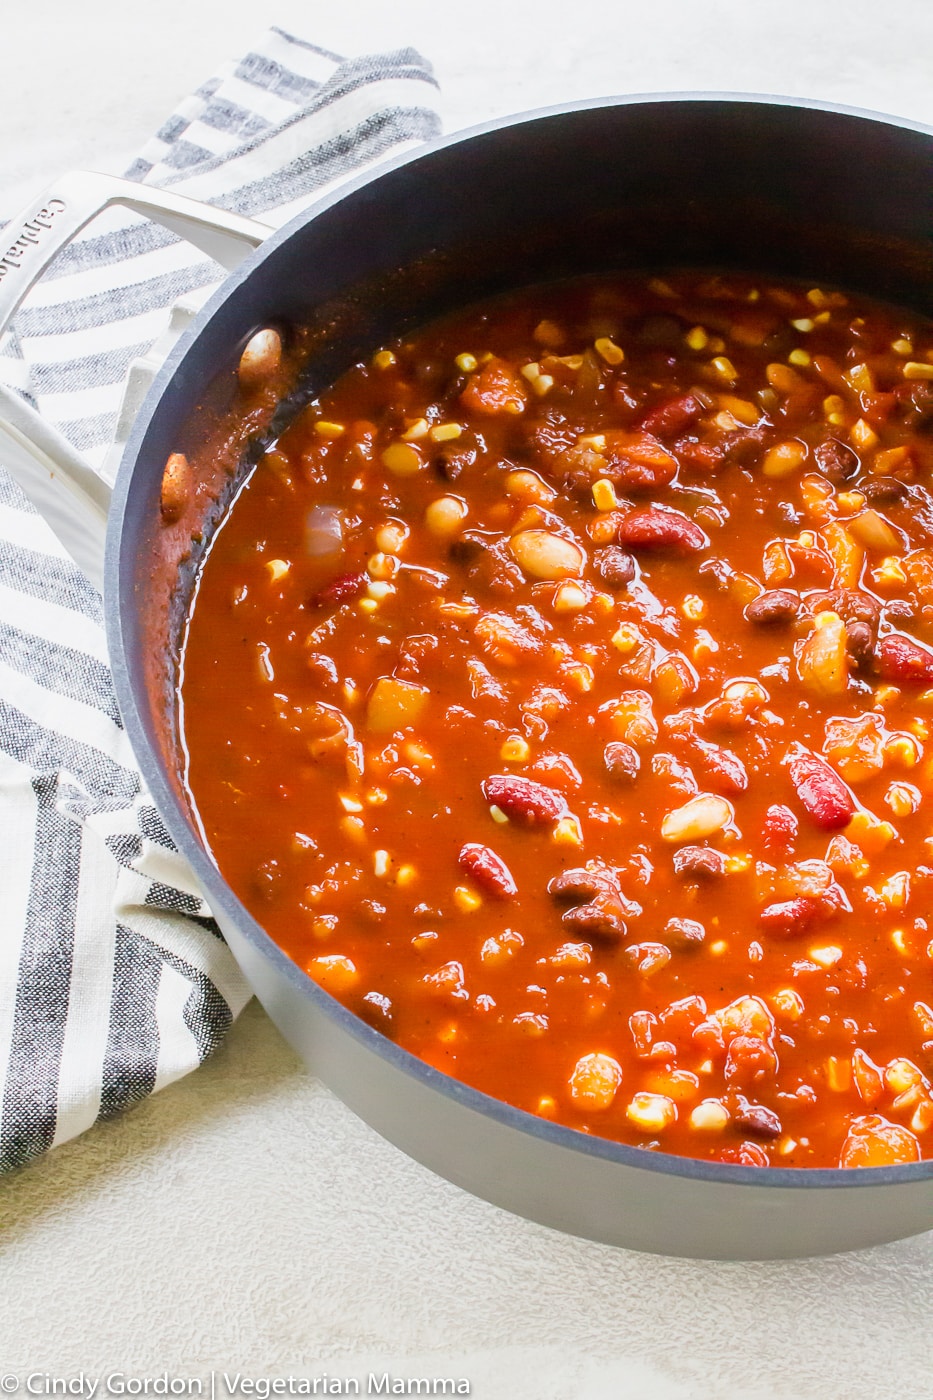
(699, 862)
(684, 933)
(622, 762)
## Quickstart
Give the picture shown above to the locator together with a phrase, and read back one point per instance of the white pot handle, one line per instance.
(71, 496)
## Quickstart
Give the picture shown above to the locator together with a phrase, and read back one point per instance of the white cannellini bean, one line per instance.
(547, 556)
(701, 816)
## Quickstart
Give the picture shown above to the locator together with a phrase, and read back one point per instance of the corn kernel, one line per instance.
(498, 815)
(379, 589)
(724, 369)
(798, 357)
(325, 429)
(803, 324)
(604, 495)
(899, 940)
(445, 432)
(567, 832)
(902, 346)
(367, 605)
(466, 362)
(277, 569)
(515, 750)
(546, 1106)
(916, 369)
(349, 803)
(406, 876)
(383, 359)
(466, 900)
(651, 1113)
(697, 339)
(608, 350)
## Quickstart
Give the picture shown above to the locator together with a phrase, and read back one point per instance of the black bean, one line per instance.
(699, 862)
(835, 460)
(882, 489)
(860, 641)
(452, 462)
(684, 933)
(615, 566)
(769, 609)
(622, 762)
(760, 1121)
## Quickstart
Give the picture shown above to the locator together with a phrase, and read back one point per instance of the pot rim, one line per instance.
(219, 895)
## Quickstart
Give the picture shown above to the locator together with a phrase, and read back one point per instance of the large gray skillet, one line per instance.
(802, 189)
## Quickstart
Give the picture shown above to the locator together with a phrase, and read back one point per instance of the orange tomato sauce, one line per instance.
(559, 694)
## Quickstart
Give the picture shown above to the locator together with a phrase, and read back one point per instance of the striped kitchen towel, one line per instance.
(114, 980)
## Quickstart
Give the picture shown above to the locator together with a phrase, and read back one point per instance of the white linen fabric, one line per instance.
(114, 979)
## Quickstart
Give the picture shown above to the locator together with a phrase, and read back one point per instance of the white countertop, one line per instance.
(243, 1220)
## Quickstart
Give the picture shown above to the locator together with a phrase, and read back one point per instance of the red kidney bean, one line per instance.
(673, 416)
(654, 528)
(339, 590)
(904, 661)
(822, 792)
(524, 801)
(488, 870)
